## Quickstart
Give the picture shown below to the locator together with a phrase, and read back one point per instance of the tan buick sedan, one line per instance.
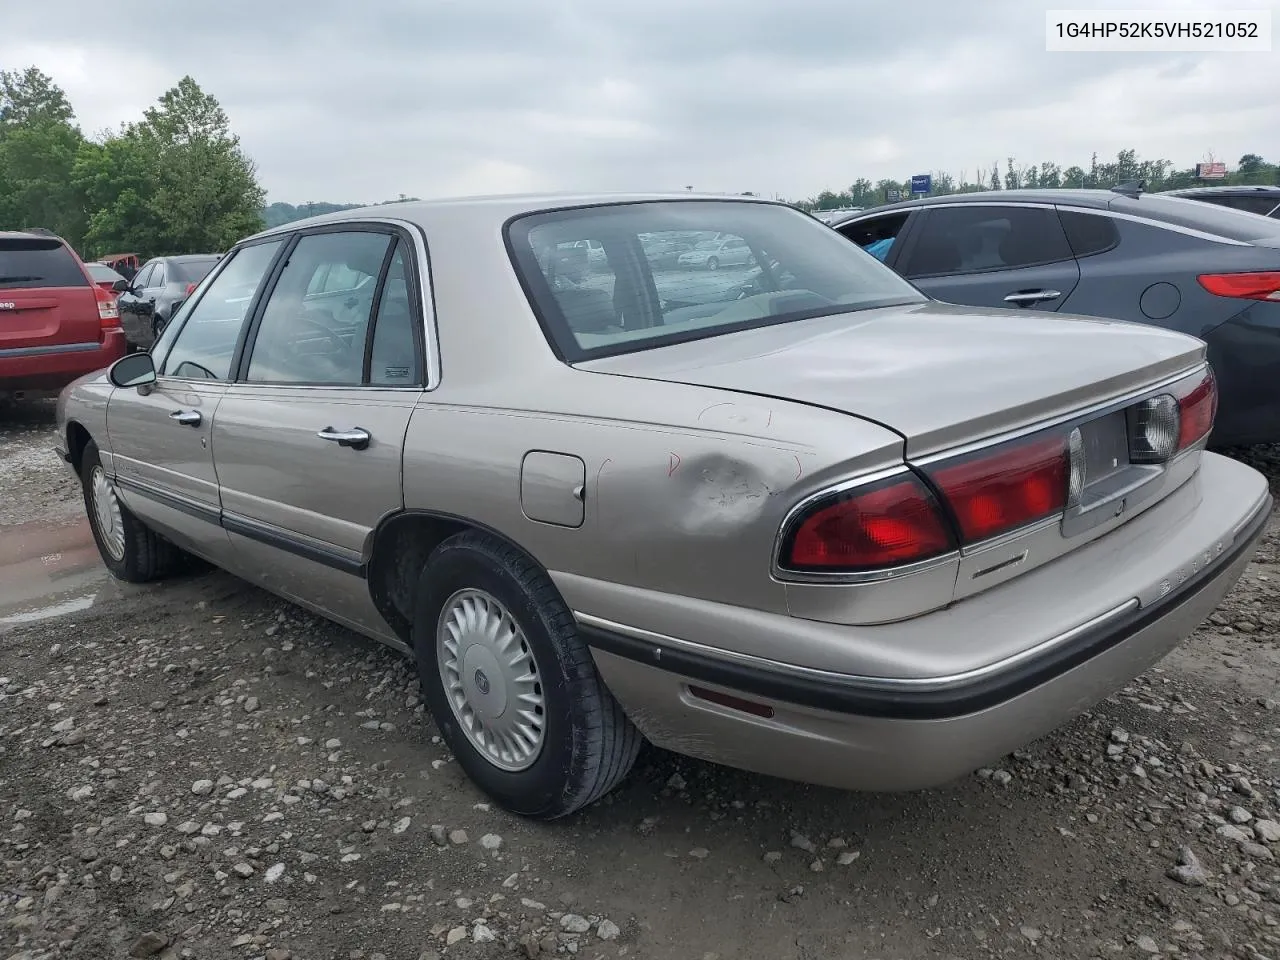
(791, 516)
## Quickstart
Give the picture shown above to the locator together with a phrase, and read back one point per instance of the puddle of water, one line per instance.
(43, 560)
(58, 609)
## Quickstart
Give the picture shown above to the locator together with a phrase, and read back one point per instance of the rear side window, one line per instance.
(974, 238)
(1197, 215)
(1089, 233)
(38, 262)
(1260, 204)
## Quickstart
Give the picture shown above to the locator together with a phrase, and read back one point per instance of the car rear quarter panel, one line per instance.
(1150, 277)
(686, 487)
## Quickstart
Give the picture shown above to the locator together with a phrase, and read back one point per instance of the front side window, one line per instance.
(142, 279)
(206, 342)
(308, 336)
(975, 238)
(686, 269)
(158, 276)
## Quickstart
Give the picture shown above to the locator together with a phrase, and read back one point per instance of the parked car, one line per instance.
(55, 324)
(1201, 269)
(1262, 200)
(833, 531)
(714, 254)
(156, 291)
(106, 278)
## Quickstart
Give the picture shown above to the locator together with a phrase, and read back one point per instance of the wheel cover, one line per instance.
(106, 510)
(491, 679)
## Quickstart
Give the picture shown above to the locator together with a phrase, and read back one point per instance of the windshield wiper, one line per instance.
(16, 279)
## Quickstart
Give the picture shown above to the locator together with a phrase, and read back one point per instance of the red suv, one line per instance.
(56, 324)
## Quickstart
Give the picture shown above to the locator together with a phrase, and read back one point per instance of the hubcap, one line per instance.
(106, 510)
(491, 679)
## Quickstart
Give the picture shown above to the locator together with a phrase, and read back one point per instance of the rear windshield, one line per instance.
(101, 273)
(38, 262)
(192, 271)
(752, 264)
(1207, 217)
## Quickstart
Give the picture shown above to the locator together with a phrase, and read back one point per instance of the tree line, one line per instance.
(176, 181)
(1127, 167)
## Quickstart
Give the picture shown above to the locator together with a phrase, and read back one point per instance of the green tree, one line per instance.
(39, 142)
(175, 182)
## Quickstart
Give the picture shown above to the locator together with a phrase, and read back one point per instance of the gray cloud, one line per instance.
(340, 101)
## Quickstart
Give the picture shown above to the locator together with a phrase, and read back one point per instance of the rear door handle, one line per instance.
(357, 437)
(190, 418)
(1024, 297)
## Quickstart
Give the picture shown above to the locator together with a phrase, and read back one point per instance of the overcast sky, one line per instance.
(348, 101)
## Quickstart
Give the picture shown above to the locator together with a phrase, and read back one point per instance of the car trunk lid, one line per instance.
(938, 374)
(46, 299)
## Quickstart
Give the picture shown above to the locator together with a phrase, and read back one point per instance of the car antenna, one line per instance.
(1131, 189)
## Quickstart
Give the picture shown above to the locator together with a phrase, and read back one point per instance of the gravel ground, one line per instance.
(196, 769)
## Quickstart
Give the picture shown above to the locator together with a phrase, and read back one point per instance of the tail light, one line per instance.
(108, 308)
(1243, 286)
(1007, 486)
(960, 501)
(1197, 408)
(886, 524)
(191, 288)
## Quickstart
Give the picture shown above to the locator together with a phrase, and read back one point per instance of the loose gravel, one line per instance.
(196, 769)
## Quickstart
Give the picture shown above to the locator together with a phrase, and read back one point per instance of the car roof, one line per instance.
(30, 235)
(496, 208)
(1176, 211)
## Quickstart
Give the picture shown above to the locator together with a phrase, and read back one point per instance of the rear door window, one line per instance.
(32, 262)
(191, 271)
(976, 238)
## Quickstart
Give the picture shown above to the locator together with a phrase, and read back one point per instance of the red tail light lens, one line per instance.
(108, 308)
(191, 288)
(884, 525)
(1244, 286)
(1006, 487)
(1198, 408)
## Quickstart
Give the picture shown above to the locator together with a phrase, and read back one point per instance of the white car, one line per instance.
(714, 254)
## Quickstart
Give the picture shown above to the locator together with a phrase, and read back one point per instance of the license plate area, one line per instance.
(1111, 481)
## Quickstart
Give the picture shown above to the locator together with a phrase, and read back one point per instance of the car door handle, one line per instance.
(1023, 297)
(190, 418)
(357, 437)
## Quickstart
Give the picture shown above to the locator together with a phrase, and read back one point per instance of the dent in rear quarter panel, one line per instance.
(684, 498)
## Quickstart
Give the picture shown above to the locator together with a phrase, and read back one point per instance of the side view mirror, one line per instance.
(134, 370)
(120, 286)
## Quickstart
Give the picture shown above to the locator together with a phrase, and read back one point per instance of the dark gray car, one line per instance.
(1197, 268)
(156, 291)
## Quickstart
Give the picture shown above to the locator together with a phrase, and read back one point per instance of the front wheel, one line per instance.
(713, 264)
(129, 549)
(510, 683)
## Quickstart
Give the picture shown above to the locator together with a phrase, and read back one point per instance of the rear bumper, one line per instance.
(887, 733)
(48, 369)
(1245, 354)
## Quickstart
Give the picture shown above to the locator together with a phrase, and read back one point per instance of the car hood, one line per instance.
(938, 374)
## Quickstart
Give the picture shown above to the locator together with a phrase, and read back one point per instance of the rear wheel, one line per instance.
(510, 683)
(130, 550)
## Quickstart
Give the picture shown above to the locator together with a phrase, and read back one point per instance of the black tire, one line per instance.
(588, 744)
(713, 264)
(158, 323)
(146, 555)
